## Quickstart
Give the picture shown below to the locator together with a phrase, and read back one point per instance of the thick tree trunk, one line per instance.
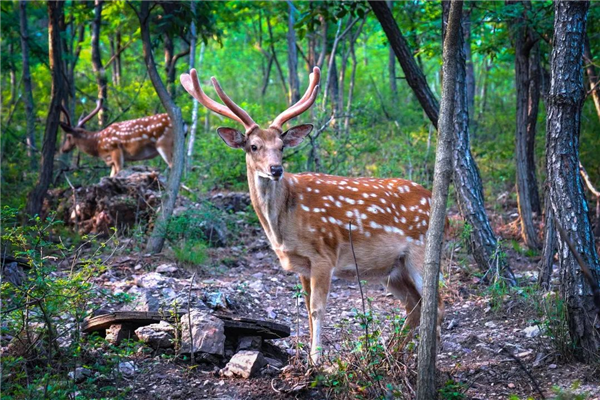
(567, 199)
(36, 196)
(414, 76)
(523, 46)
(28, 92)
(484, 245)
(426, 382)
(157, 238)
(591, 73)
(294, 94)
(99, 70)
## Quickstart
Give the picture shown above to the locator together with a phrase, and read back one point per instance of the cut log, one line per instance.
(234, 326)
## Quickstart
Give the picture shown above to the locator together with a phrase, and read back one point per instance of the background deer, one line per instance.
(307, 216)
(134, 140)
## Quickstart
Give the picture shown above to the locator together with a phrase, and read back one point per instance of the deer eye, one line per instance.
(282, 147)
(253, 147)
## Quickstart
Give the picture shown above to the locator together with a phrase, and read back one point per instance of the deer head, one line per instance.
(78, 131)
(263, 147)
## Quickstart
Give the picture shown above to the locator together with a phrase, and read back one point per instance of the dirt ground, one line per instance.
(485, 346)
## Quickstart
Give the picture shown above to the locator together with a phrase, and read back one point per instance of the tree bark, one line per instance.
(294, 93)
(157, 238)
(535, 85)
(523, 47)
(99, 70)
(591, 73)
(426, 382)
(36, 196)
(546, 265)
(28, 92)
(414, 76)
(470, 78)
(194, 127)
(565, 101)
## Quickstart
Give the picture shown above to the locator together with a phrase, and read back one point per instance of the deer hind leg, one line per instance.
(165, 149)
(305, 281)
(319, 290)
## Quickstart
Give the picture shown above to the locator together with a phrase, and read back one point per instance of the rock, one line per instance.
(257, 286)
(159, 335)
(274, 362)
(244, 364)
(249, 343)
(208, 333)
(166, 268)
(143, 300)
(532, 331)
(117, 332)
(490, 324)
(216, 300)
(552, 366)
(127, 368)
(79, 374)
(152, 280)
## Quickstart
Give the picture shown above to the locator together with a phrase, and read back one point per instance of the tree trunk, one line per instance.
(484, 245)
(36, 196)
(414, 76)
(157, 238)
(523, 45)
(28, 92)
(565, 102)
(470, 79)
(392, 65)
(99, 70)
(426, 382)
(591, 73)
(194, 127)
(535, 84)
(294, 94)
(546, 265)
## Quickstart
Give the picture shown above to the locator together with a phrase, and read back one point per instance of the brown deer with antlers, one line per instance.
(315, 221)
(134, 140)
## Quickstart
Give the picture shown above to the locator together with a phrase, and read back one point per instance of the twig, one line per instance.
(192, 360)
(362, 297)
(518, 360)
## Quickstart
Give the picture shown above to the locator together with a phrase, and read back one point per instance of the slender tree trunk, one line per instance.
(523, 46)
(36, 196)
(426, 382)
(28, 92)
(414, 76)
(274, 55)
(99, 70)
(194, 127)
(546, 265)
(591, 73)
(13, 75)
(294, 94)
(157, 238)
(535, 84)
(470, 79)
(392, 65)
(567, 199)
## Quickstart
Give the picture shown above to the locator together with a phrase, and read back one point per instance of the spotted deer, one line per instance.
(134, 140)
(310, 217)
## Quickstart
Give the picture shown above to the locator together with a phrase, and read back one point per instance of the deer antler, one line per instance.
(303, 104)
(231, 110)
(64, 111)
(85, 119)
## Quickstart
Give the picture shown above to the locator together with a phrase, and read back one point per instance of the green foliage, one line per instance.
(453, 390)
(43, 308)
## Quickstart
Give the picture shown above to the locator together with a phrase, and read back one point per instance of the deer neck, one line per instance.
(88, 143)
(268, 199)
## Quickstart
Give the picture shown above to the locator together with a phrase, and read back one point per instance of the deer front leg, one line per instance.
(319, 290)
(118, 159)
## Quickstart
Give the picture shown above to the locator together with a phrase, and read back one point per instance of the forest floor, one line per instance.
(491, 347)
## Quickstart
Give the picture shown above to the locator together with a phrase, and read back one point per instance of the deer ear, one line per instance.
(232, 137)
(294, 136)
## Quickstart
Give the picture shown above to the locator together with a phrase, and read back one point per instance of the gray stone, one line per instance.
(244, 364)
(127, 368)
(208, 333)
(166, 268)
(152, 280)
(157, 335)
(118, 332)
(79, 374)
(143, 300)
(249, 343)
(216, 300)
(532, 331)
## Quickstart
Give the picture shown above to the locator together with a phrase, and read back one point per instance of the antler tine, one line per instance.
(64, 111)
(192, 85)
(248, 122)
(303, 104)
(83, 120)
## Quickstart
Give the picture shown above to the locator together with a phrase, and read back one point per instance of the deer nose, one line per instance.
(276, 170)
